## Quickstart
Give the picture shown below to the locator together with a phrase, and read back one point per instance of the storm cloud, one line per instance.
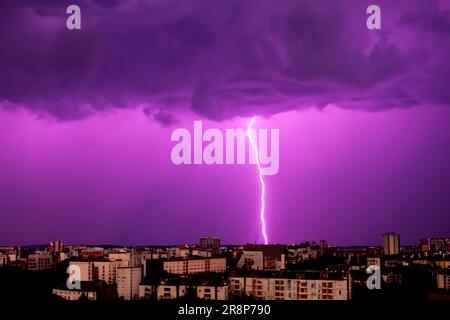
(221, 59)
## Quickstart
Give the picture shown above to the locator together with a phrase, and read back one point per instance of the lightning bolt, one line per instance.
(261, 180)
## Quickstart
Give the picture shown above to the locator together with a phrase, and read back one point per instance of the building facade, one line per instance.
(210, 243)
(39, 261)
(128, 280)
(391, 243)
(86, 269)
(193, 266)
(273, 288)
(443, 280)
(263, 257)
(3, 260)
(67, 294)
(56, 246)
(204, 292)
(107, 270)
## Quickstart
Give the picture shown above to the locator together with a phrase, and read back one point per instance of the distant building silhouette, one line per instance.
(391, 243)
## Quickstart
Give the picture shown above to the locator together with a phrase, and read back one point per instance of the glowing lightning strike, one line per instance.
(261, 180)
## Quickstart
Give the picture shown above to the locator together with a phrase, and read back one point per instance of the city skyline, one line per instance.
(86, 117)
(207, 270)
(381, 243)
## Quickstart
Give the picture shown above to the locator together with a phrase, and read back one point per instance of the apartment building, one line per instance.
(195, 265)
(205, 292)
(210, 242)
(86, 269)
(173, 288)
(170, 291)
(208, 292)
(128, 280)
(179, 252)
(67, 294)
(39, 261)
(374, 261)
(125, 257)
(263, 257)
(107, 270)
(56, 246)
(298, 253)
(90, 290)
(204, 253)
(434, 244)
(147, 291)
(3, 260)
(290, 286)
(443, 280)
(130, 258)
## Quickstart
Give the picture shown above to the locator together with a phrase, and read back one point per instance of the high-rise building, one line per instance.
(128, 279)
(3, 259)
(107, 270)
(391, 243)
(39, 261)
(56, 246)
(210, 243)
(323, 246)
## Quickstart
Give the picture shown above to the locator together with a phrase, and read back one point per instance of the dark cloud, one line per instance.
(221, 58)
(163, 117)
(429, 17)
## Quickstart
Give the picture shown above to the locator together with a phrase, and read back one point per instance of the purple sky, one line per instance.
(86, 118)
